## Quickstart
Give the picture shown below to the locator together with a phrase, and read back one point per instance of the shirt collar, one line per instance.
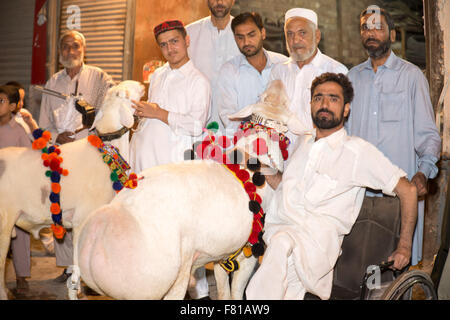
(212, 27)
(13, 123)
(244, 62)
(317, 61)
(391, 63)
(184, 70)
(65, 74)
(334, 140)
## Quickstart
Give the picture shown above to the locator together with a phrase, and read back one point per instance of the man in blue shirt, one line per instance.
(392, 110)
(243, 78)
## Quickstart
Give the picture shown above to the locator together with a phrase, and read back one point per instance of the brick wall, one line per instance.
(338, 22)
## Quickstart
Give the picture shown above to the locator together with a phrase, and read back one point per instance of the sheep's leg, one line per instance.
(242, 276)
(178, 289)
(222, 282)
(6, 227)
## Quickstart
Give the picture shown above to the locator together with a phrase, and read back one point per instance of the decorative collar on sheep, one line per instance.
(113, 135)
(116, 164)
(52, 160)
(264, 138)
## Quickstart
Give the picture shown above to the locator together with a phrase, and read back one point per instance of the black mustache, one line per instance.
(324, 110)
(372, 39)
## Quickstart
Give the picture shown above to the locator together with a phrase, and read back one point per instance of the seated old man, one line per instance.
(318, 198)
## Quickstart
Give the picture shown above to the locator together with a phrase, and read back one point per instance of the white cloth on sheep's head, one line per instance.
(117, 104)
(271, 111)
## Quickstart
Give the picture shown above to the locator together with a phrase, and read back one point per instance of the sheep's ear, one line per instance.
(241, 114)
(98, 116)
(296, 126)
(126, 117)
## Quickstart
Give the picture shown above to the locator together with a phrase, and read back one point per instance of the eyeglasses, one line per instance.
(2, 101)
(372, 26)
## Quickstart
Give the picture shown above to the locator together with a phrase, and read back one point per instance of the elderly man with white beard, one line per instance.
(79, 79)
(76, 78)
(306, 62)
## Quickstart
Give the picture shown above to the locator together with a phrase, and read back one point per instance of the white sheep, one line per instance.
(147, 242)
(25, 188)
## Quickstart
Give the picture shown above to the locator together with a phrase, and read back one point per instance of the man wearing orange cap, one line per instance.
(177, 107)
(306, 62)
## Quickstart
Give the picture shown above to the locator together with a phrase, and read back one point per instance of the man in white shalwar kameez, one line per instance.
(62, 119)
(177, 107)
(319, 197)
(213, 44)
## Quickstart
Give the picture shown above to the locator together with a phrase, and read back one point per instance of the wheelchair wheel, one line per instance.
(411, 285)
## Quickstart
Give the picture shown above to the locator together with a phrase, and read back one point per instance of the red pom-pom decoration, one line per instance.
(249, 187)
(133, 176)
(260, 146)
(224, 142)
(283, 145)
(233, 167)
(243, 175)
(256, 197)
(54, 164)
(285, 154)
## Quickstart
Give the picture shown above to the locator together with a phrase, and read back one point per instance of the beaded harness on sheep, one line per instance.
(52, 160)
(251, 178)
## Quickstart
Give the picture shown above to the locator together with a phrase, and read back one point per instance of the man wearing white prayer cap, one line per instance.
(306, 62)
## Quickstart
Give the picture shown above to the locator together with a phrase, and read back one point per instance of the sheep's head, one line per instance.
(263, 137)
(116, 111)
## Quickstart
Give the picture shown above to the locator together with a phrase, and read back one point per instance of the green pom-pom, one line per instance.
(48, 173)
(45, 150)
(213, 126)
(114, 176)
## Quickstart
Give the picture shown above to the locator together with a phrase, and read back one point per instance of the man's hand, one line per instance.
(150, 110)
(65, 137)
(28, 118)
(420, 181)
(401, 257)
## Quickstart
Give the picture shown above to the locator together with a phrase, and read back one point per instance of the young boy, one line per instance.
(13, 134)
(23, 116)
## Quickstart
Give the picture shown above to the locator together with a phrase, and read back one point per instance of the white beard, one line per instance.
(71, 63)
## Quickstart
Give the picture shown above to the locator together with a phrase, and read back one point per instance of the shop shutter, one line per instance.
(16, 39)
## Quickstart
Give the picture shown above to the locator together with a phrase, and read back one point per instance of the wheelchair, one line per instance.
(358, 273)
(408, 285)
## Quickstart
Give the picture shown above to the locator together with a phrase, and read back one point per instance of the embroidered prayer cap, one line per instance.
(302, 13)
(167, 26)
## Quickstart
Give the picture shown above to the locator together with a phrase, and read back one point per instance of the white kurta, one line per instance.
(316, 204)
(185, 93)
(91, 83)
(209, 49)
(298, 84)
